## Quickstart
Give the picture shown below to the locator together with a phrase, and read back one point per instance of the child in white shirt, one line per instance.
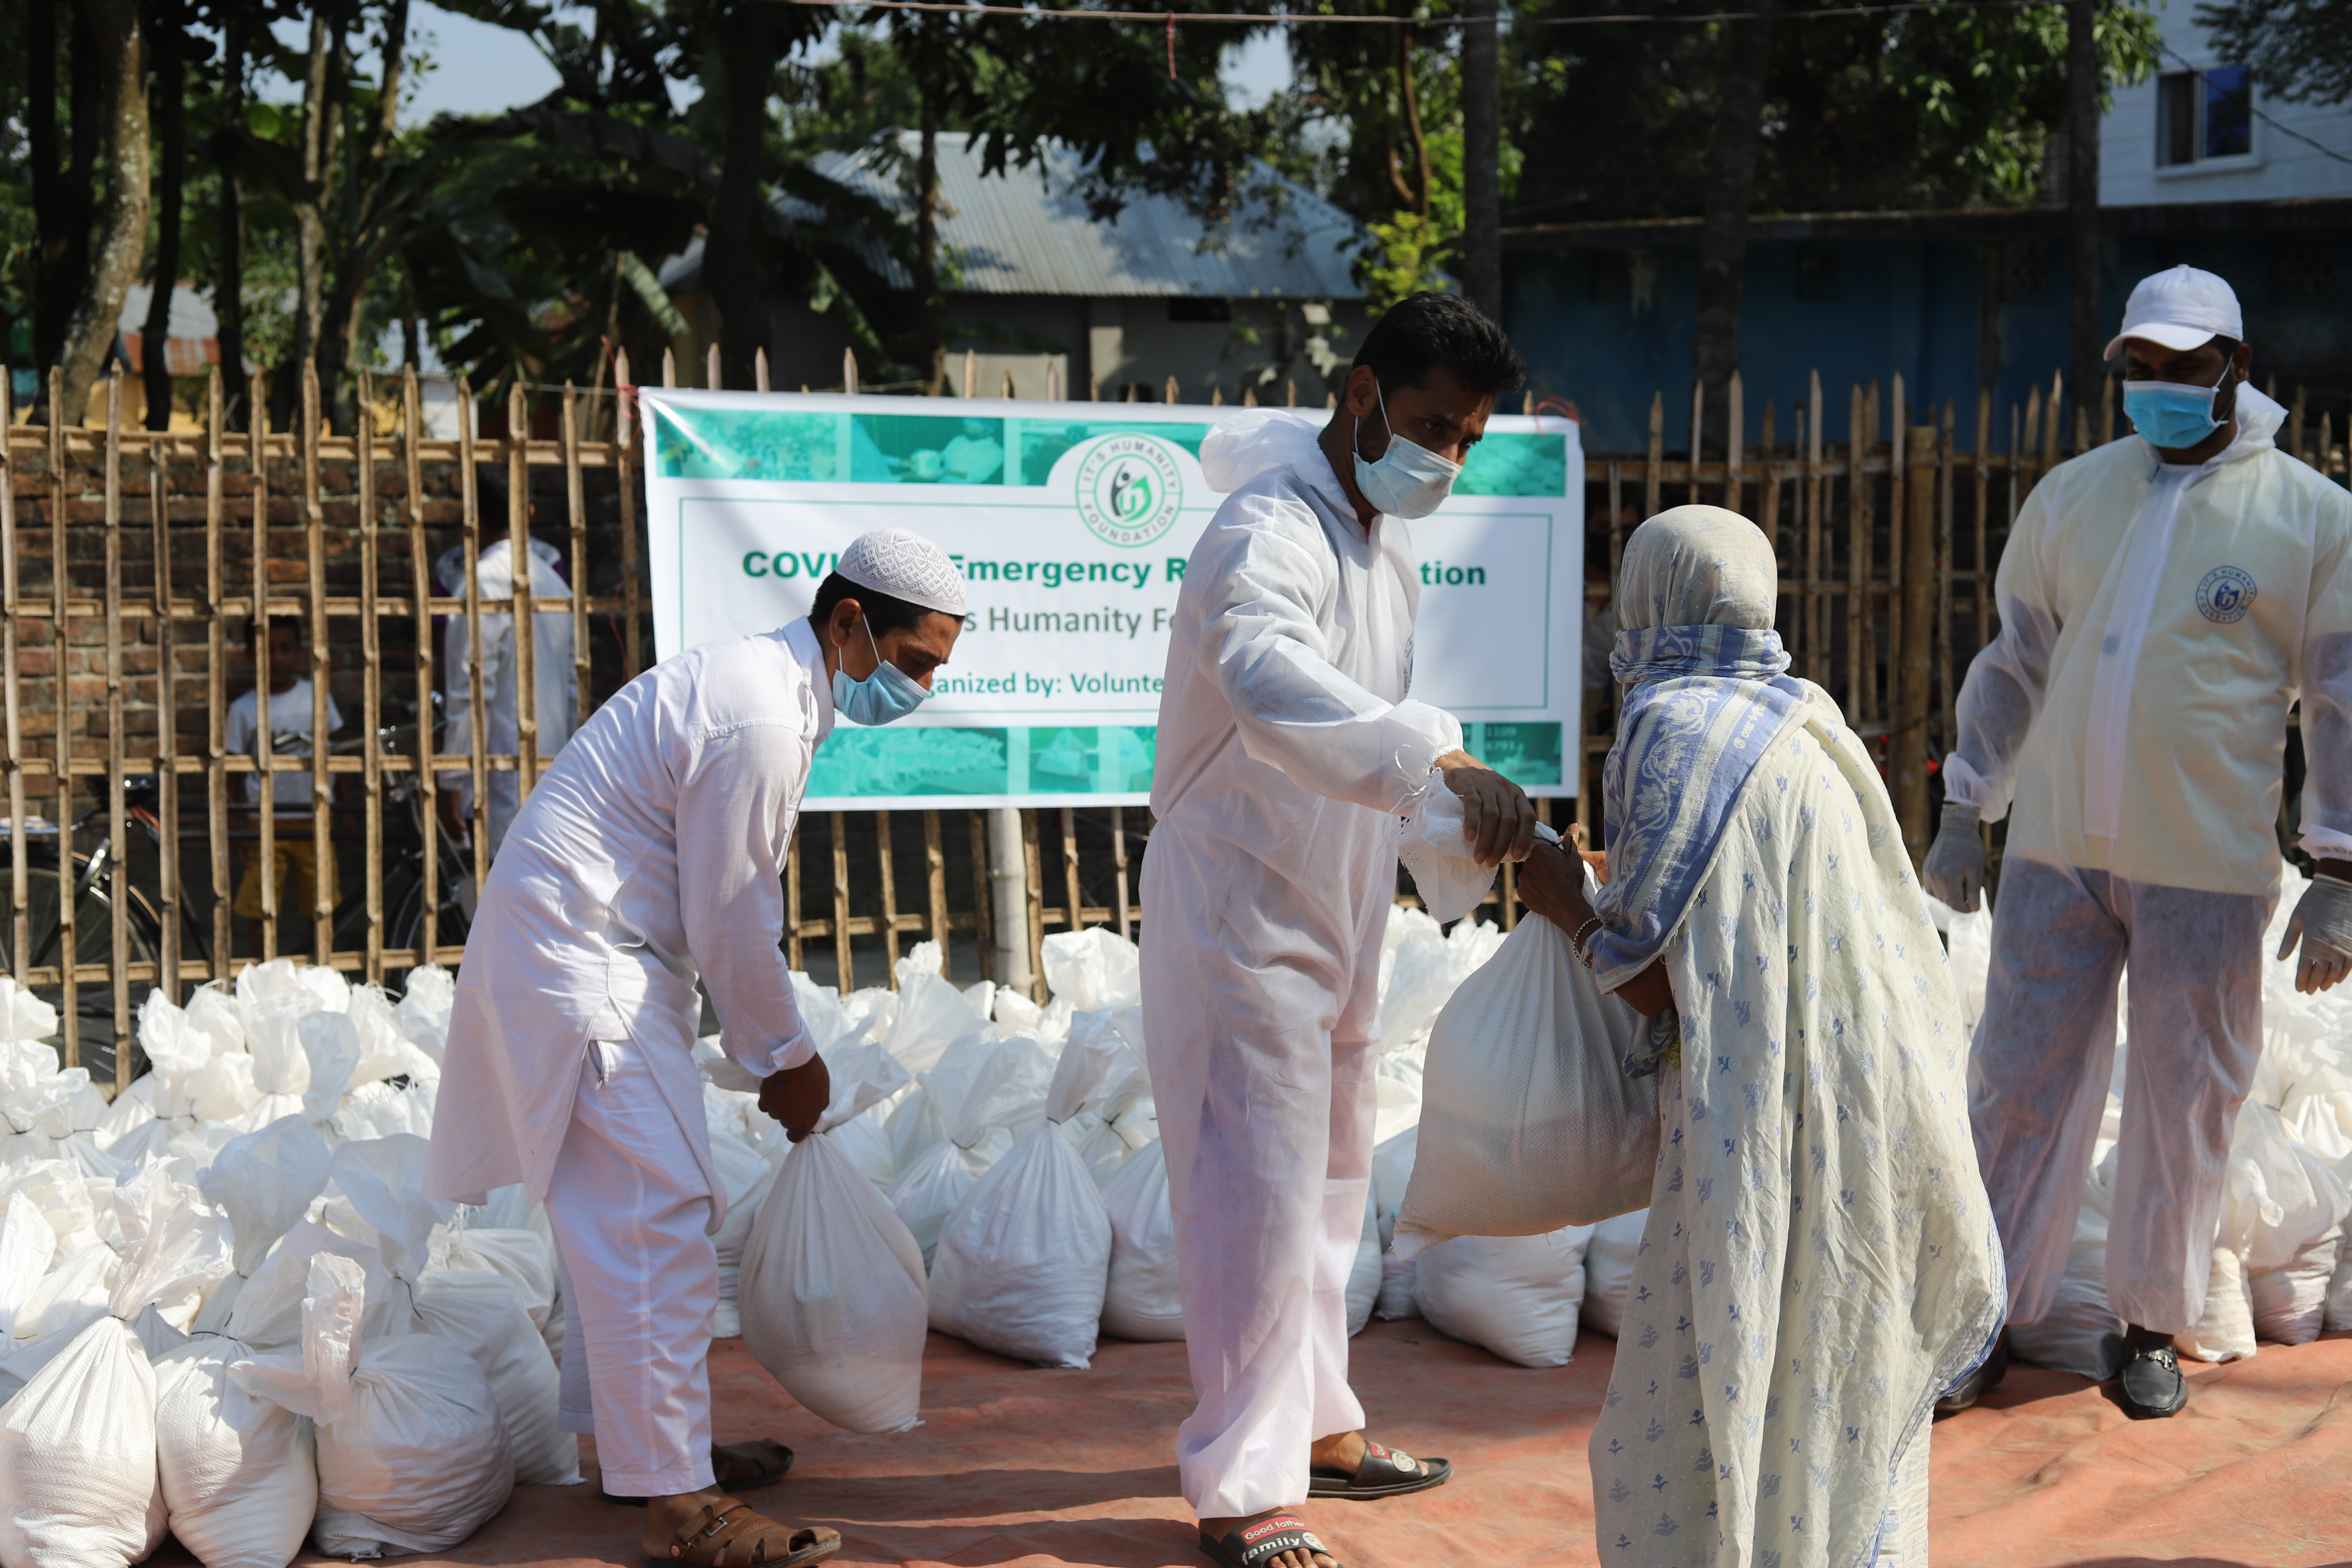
(295, 868)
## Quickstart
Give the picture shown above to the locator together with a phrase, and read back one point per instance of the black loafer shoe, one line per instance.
(2151, 1384)
(1972, 1388)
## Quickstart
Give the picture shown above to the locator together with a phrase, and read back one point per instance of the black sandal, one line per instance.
(721, 1455)
(1247, 1546)
(1385, 1472)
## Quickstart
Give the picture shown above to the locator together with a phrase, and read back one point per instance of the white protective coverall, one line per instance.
(555, 683)
(1286, 741)
(653, 852)
(2157, 624)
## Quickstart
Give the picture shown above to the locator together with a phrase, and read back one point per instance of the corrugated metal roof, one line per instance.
(1027, 231)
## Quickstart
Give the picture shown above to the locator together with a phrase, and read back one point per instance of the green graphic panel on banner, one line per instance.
(925, 449)
(1055, 760)
(854, 762)
(747, 444)
(1516, 463)
(1042, 442)
(1091, 758)
(1526, 754)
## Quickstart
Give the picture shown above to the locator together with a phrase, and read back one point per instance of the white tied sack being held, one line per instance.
(2164, 602)
(1528, 1121)
(830, 1291)
(79, 1484)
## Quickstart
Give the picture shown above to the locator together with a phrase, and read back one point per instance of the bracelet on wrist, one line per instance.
(1577, 941)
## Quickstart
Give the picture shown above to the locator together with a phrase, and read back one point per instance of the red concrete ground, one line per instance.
(1014, 1466)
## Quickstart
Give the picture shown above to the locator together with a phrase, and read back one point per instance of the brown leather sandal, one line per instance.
(711, 1538)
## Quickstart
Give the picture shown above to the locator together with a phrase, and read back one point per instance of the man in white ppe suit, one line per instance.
(652, 854)
(1286, 742)
(2164, 600)
(554, 682)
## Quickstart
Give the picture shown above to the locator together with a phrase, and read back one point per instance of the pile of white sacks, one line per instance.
(225, 1309)
(226, 1312)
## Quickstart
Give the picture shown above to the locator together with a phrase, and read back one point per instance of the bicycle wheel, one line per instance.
(94, 944)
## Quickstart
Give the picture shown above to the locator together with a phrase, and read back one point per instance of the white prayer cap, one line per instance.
(2181, 308)
(906, 566)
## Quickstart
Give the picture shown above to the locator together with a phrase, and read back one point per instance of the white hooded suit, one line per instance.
(555, 681)
(2158, 622)
(1287, 739)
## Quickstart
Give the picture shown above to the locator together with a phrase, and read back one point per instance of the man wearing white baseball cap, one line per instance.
(650, 856)
(2164, 601)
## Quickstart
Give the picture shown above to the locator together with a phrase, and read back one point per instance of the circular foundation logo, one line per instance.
(1129, 489)
(2224, 595)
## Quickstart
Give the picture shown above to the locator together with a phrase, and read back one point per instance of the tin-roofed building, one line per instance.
(1038, 288)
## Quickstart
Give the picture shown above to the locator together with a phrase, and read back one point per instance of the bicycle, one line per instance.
(94, 908)
(403, 864)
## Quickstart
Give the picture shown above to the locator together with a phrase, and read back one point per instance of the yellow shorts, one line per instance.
(297, 879)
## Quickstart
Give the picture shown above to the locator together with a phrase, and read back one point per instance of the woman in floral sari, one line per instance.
(1819, 1262)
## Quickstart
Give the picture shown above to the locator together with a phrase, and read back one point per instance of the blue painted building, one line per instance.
(1951, 301)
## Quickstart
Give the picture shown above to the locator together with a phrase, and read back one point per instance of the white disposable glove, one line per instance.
(1954, 872)
(2323, 917)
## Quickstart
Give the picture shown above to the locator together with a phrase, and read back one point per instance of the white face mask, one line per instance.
(1410, 480)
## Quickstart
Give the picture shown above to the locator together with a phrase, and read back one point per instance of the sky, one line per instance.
(480, 70)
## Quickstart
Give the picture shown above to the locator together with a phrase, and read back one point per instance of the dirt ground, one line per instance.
(1013, 1466)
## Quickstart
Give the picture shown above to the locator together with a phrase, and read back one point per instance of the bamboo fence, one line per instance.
(1887, 539)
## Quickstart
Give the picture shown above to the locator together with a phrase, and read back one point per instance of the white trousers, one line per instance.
(630, 1212)
(1262, 1072)
(2045, 1053)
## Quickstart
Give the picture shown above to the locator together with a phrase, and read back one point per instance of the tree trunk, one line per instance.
(731, 258)
(51, 295)
(1723, 225)
(119, 60)
(930, 313)
(171, 95)
(1412, 118)
(1482, 158)
(228, 284)
(2082, 202)
(367, 238)
(64, 216)
(310, 219)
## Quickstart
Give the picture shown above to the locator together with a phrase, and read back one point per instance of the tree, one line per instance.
(1482, 158)
(1401, 162)
(119, 62)
(2299, 49)
(170, 102)
(1019, 83)
(1730, 191)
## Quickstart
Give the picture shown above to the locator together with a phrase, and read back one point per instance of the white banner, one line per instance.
(1072, 522)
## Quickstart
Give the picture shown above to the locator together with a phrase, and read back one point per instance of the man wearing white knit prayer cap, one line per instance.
(650, 856)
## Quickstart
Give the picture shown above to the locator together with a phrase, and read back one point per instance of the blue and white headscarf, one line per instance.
(1705, 696)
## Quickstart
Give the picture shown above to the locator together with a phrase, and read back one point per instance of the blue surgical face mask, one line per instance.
(1410, 480)
(2171, 415)
(887, 694)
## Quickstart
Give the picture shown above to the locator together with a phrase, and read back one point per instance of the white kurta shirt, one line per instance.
(651, 854)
